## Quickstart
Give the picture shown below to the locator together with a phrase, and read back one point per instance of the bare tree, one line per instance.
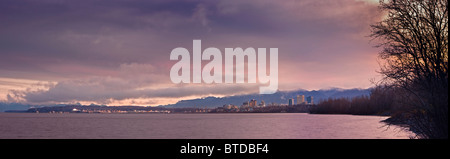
(414, 38)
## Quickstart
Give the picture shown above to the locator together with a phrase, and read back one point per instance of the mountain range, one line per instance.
(280, 97)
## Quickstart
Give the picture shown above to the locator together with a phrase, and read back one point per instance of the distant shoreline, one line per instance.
(78, 109)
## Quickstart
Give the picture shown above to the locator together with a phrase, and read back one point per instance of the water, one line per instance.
(195, 126)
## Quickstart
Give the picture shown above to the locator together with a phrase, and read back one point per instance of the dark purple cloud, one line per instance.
(86, 44)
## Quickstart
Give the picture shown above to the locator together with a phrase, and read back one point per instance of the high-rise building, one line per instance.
(227, 106)
(245, 105)
(300, 99)
(262, 104)
(253, 103)
(291, 102)
(310, 100)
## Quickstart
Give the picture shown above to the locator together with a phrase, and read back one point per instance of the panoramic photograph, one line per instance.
(224, 69)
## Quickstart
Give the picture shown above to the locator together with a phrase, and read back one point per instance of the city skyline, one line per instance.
(117, 52)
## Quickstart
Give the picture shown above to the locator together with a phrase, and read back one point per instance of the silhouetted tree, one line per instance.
(414, 38)
(379, 102)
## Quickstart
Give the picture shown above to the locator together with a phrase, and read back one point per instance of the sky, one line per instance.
(116, 52)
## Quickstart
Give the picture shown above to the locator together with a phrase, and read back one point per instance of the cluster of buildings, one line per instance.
(251, 105)
(112, 111)
(245, 107)
(99, 109)
(301, 100)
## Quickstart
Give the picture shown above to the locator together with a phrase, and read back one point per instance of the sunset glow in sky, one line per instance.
(116, 52)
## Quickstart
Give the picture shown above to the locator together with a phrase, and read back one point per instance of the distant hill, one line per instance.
(13, 106)
(279, 97)
(213, 102)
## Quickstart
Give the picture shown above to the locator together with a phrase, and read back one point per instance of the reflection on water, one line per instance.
(196, 126)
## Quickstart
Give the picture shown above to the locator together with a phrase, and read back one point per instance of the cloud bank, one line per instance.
(117, 50)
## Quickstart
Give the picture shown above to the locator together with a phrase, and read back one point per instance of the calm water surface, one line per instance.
(195, 126)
